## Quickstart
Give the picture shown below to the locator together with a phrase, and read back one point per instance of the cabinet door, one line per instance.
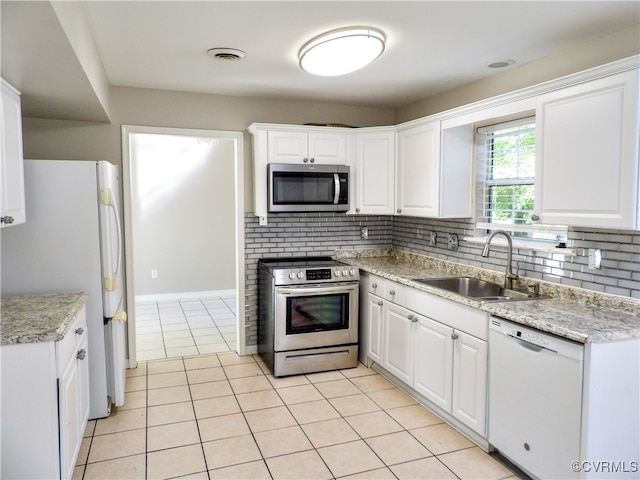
(375, 307)
(12, 188)
(287, 146)
(398, 342)
(434, 362)
(469, 402)
(587, 154)
(328, 148)
(83, 385)
(68, 401)
(375, 173)
(418, 171)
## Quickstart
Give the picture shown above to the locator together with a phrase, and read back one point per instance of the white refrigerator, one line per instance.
(72, 242)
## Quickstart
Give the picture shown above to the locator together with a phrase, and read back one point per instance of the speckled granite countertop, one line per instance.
(38, 318)
(573, 313)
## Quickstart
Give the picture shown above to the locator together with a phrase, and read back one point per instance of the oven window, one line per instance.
(308, 188)
(316, 313)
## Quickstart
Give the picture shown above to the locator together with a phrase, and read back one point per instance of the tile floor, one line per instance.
(185, 326)
(223, 416)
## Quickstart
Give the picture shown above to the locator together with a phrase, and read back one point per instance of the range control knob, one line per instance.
(338, 273)
(345, 273)
(352, 272)
(292, 275)
(300, 275)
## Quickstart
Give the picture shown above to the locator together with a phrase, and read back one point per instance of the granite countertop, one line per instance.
(576, 314)
(38, 318)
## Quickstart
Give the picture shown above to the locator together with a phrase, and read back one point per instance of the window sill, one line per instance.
(521, 244)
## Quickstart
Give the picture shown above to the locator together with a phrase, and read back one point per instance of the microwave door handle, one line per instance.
(336, 181)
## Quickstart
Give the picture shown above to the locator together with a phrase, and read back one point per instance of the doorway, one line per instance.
(184, 241)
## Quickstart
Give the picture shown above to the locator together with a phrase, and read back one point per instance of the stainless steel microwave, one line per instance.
(308, 188)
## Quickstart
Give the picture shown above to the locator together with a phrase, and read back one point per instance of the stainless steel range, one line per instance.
(307, 314)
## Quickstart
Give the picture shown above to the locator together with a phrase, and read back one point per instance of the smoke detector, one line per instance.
(227, 54)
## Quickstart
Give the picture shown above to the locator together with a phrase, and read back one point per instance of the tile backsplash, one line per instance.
(291, 234)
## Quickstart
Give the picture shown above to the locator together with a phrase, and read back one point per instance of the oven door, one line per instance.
(310, 316)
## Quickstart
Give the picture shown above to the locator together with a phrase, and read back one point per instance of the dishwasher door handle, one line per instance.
(528, 345)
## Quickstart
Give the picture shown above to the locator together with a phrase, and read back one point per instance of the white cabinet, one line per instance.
(373, 333)
(45, 404)
(398, 341)
(374, 172)
(434, 362)
(12, 205)
(297, 146)
(587, 154)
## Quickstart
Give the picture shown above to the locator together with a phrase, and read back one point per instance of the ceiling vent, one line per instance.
(227, 54)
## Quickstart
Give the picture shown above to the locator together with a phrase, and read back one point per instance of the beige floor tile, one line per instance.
(134, 400)
(258, 400)
(172, 435)
(125, 468)
(325, 376)
(372, 383)
(292, 381)
(242, 370)
(414, 416)
(474, 463)
(354, 405)
(202, 361)
(232, 358)
(441, 438)
(301, 465)
(140, 370)
(391, 398)
(215, 407)
(163, 380)
(231, 451)
(377, 474)
(330, 432)
(83, 454)
(250, 384)
(165, 366)
(116, 445)
(121, 420)
(397, 447)
(210, 390)
(172, 413)
(78, 472)
(91, 426)
(226, 426)
(374, 423)
(350, 458)
(181, 351)
(245, 471)
(313, 411)
(204, 375)
(134, 384)
(175, 462)
(282, 441)
(337, 388)
(427, 468)
(269, 419)
(359, 371)
(299, 394)
(163, 396)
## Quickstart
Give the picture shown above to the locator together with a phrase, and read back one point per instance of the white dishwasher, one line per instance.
(535, 398)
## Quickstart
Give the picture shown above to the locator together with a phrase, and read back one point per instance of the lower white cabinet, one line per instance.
(420, 339)
(45, 405)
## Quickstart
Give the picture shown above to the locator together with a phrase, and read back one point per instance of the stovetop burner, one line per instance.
(304, 270)
(299, 262)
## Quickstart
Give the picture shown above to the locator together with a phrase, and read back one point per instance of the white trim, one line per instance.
(558, 229)
(187, 295)
(522, 244)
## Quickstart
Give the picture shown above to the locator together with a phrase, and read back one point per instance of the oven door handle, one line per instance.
(316, 290)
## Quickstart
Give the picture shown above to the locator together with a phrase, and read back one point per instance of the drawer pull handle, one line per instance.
(82, 354)
(79, 331)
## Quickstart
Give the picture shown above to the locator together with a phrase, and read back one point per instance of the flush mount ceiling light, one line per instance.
(502, 63)
(227, 54)
(341, 51)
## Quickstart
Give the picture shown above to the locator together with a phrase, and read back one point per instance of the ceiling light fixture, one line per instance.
(227, 54)
(501, 64)
(341, 51)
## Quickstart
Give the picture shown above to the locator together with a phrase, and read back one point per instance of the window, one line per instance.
(506, 181)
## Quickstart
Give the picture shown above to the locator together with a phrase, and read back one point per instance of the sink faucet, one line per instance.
(509, 275)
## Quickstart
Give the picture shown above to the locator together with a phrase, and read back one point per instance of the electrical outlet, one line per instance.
(364, 233)
(154, 274)
(452, 242)
(595, 258)
(262, 221)
(433, 237)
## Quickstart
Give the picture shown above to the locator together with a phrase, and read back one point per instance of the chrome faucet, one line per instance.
(509, 276)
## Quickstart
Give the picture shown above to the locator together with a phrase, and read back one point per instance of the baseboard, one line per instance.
(188, 295)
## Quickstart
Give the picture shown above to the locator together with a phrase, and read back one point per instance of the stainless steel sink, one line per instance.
(478, 289)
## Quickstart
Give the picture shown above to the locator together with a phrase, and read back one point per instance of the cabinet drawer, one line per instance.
(375, 285)
(473, 321)
(394, 292)
(68, 347)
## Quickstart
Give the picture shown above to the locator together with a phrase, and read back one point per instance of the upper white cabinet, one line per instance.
(12, 207)
(587, 154)
(284, 146)
(374, 172)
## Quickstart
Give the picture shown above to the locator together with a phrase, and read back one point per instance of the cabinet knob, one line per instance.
(8, 220)
(82, 354)
(380, 303)
(535, 217)
(413, 318)
(399, 210)
(454, 336)
(392, 292)
(312, 159)
(357, 210)
(305, 159)
(79, 331)
(374, 285)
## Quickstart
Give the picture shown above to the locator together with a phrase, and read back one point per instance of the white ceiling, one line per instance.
(431, 46)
